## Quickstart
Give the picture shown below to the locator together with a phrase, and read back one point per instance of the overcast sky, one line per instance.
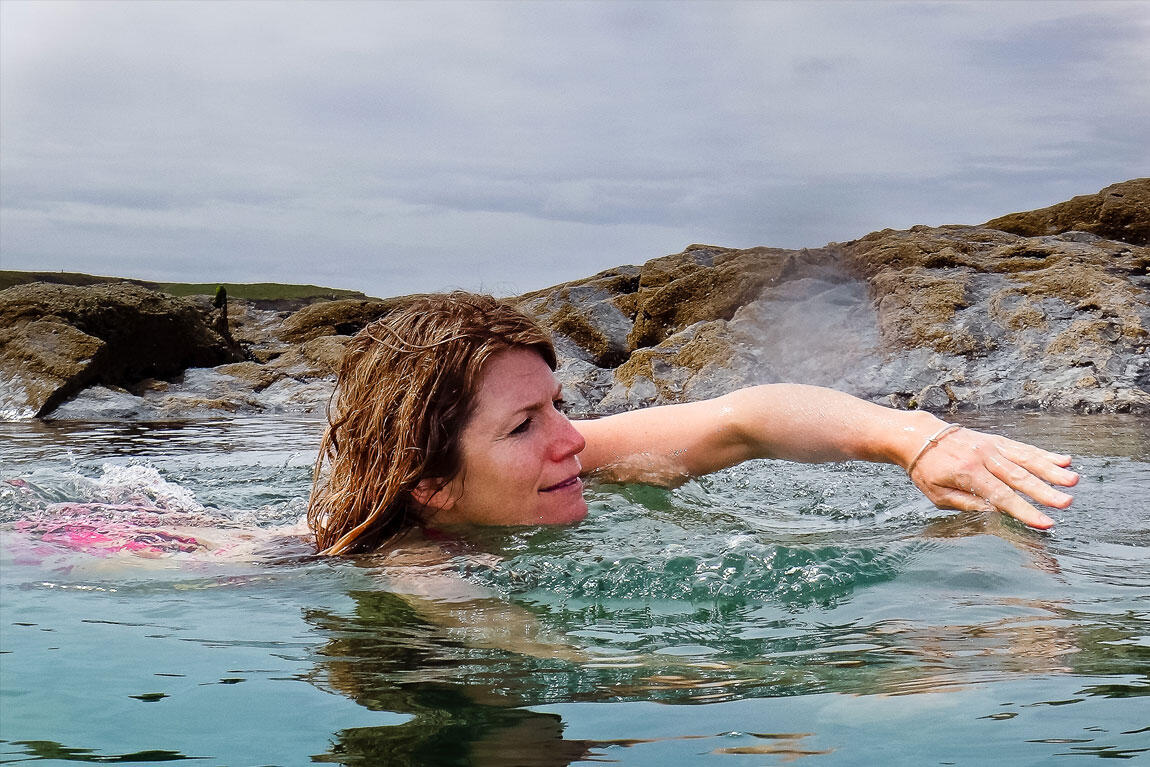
(394, 147)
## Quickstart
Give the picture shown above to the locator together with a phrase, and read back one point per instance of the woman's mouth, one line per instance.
(566, 484)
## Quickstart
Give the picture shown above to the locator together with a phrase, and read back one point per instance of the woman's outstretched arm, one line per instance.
(959, 469)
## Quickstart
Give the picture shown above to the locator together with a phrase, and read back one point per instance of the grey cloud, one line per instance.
(395, 141)
(1080, 44)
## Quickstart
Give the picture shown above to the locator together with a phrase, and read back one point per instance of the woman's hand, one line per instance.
(960, 469)
(971, 471)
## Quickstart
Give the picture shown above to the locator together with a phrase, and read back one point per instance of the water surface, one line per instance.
(770, 613)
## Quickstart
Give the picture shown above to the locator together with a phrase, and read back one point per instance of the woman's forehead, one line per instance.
(517, 368)
(513, 380)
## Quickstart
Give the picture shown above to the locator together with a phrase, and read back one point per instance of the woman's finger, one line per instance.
(960, 500)
(1021, 479)
(1049, 467)
(971, 471)
(999, 494)
(1004, 501)
(1031, 452)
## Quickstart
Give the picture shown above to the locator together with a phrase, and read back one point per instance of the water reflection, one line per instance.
(465, 734)
(385, 657)
(1025, 540)
(47, 749)
(472, 705)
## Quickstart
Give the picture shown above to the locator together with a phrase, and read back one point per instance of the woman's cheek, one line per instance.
(531, 449)
(516, 465)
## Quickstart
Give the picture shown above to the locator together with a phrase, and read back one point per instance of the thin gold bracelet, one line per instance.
(931, 441)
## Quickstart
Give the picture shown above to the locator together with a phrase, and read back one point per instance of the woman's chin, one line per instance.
(569, 514)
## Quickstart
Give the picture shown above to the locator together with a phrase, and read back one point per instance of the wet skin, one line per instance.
(520, 454)
(522, 457)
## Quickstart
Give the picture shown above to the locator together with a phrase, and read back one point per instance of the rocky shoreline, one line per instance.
(1047, 309)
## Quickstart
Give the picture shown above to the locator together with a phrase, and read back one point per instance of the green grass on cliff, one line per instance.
(258, 291)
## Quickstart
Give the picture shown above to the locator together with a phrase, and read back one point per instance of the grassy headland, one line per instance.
(256, 291)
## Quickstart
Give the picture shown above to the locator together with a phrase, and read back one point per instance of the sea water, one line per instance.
(768, 614)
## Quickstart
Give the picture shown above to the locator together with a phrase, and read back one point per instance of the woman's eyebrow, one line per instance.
(537, 405)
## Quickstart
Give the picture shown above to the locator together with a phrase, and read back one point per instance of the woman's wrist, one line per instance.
(931, 441)
(908, 434)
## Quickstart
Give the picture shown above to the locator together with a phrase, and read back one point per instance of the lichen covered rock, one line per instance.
(57, 339)
(1119, 212)
(1049, 309)
(344, 317)
(588, 313)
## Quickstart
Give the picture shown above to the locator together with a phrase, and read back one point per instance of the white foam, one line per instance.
(14, 401)
(142, 485)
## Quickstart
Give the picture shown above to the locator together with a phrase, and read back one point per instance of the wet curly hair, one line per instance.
(405, 391)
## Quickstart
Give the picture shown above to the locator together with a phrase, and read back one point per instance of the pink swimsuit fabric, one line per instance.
(103, 529)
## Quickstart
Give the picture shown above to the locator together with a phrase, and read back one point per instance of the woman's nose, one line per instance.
(567, 441)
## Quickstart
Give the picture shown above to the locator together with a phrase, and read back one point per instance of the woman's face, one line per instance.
(520, 454)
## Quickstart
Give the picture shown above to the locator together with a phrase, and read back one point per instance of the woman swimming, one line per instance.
(446, 412)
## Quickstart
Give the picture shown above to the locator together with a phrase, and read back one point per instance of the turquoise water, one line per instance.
(769, 614)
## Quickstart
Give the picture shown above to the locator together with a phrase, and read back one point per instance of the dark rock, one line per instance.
(934, 398)
(584, 386)
(587, 313)
(57, 339)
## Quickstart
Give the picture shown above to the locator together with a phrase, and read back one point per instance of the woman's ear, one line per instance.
(434, 494)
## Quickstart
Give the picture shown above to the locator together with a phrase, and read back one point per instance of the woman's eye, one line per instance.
(523, 427)
(559, 403)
